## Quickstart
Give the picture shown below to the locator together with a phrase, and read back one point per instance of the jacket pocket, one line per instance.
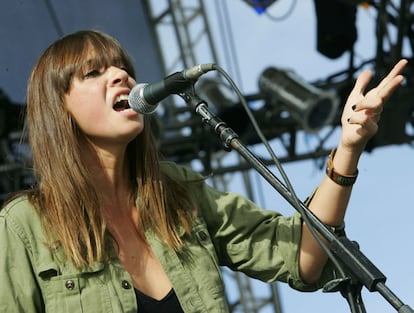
(76, 292)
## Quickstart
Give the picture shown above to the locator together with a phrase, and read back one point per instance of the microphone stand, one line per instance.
(360, 269)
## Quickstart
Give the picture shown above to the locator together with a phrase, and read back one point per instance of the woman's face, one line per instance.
(98, 101)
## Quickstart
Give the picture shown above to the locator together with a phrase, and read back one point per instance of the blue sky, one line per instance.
(380, 212)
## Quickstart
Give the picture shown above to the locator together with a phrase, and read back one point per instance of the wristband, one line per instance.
(343, 180)
(338, 230)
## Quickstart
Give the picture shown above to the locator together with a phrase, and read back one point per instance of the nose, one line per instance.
(117, 76)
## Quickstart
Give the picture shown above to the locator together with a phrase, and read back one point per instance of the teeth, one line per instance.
(121, 103)
(121, 98)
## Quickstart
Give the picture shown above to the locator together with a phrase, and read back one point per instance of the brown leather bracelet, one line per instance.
(338, 230)
(343, 180)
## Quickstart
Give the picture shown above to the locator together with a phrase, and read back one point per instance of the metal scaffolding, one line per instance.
(192, 39)
(185, 39)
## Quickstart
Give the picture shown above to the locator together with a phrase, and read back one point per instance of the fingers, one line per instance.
(393, 74)
(375, 98)
(364, 117)
(363, 110)
(366, 113)
(362, 81)
(372, 103)
(376, 116)
(364, 124)
(388, 85)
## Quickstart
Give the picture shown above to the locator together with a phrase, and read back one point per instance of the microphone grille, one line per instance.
(137, 101)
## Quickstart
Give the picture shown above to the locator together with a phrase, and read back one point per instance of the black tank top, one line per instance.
(169, 303)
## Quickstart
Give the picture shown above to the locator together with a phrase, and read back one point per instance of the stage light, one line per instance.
(312, 107)
(336, 29)
(223, 102)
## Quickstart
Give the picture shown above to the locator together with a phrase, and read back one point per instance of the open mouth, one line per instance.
(121, 103)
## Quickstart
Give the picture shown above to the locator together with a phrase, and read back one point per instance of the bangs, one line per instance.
(99, 55)
(82, 51)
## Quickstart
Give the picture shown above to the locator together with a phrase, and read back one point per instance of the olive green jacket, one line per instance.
(229, 231)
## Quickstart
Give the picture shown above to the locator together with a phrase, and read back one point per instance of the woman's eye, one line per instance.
(92, 73)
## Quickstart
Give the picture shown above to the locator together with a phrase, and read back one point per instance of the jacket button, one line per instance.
(126, 284)
(70, 284)
(203, 235)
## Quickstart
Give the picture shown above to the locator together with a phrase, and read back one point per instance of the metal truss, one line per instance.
(183, 35)
(181, 28)
(184, 39)
(185, 139)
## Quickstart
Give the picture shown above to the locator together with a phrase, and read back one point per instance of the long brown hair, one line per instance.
(65, 197)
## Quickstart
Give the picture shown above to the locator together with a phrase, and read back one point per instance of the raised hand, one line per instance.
(362, 110)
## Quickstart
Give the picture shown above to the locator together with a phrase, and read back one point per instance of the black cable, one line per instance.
(296, 200)
(283, 16)
(228, 39)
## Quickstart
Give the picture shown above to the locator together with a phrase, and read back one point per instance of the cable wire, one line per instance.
(290, 188)
(284, 15)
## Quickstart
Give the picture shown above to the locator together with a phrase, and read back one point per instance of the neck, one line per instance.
(110, 171)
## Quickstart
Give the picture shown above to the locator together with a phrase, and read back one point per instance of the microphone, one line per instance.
(144, 98)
